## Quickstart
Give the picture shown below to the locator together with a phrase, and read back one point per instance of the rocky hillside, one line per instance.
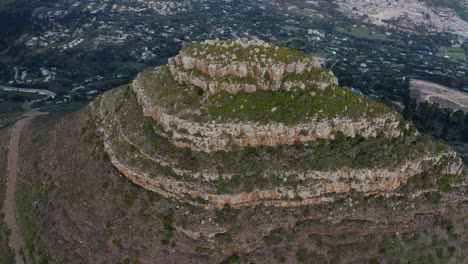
(172, 169)
(188, 148)
(210, 102)
(234, 66)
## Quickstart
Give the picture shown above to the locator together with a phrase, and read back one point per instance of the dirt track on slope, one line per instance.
(16, 240)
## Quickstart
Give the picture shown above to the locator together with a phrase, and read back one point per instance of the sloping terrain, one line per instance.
(434, 93)
(7, 255)
(131, 178)
(328, 141)
(80, 209)
(16, 241)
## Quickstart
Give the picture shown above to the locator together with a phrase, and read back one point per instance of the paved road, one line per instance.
(16, 239)
(47, 93)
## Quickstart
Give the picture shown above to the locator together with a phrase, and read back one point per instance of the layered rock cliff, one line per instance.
(164, 171)
(217, 134)
(260, 69)
(271, 145)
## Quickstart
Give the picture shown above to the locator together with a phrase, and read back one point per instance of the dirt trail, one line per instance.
(16, 240)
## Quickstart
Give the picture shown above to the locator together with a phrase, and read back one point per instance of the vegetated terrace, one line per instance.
(287, 107)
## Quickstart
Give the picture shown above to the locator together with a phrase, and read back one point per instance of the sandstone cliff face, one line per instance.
(211, 137)
(263, 75)
(191, 178)
(369, 181)
(366, 181)
(316, 188)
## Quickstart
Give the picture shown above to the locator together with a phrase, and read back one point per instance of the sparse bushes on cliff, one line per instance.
(292, 107)
(252, 168)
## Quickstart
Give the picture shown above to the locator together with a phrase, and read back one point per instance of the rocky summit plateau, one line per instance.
(238, 151)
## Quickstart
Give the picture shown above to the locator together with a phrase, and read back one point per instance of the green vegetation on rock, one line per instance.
(135, 141)
(191, 102)
(221, 52)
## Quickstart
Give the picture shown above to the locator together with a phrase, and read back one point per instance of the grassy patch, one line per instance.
(117, 243)
(232, 260)
(272, 239)
(7, 256)
(62, 108)
(29, 210)
(226, 215)
(302, 256)
(168, 231)
(363, 33)
(455, 53)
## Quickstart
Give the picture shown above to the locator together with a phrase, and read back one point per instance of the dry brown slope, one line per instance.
(16, 239)
(7, 255)
(442, 95)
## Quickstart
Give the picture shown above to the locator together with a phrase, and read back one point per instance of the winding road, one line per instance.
(47, 93)
(16, 240)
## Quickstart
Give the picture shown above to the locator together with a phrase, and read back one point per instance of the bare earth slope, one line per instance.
(16, 240)
(435, 93)
(5, 249)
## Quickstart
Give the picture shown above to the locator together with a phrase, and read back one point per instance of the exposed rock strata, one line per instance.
(190, 179)
(209, 137)
(366, 180)
(211, 75)
(318, 184)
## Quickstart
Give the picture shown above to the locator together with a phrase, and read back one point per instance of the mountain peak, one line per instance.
(193, 130)
(247, 65)
(224, 103)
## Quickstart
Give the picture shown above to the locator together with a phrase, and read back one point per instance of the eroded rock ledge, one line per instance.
(310, 186)
(215, 66)
(209, 137)
(369, 181)
(151, 155)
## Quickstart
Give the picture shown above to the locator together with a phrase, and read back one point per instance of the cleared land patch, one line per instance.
(435, 93)
(454, 53)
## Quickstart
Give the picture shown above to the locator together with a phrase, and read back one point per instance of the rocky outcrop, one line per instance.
(209, 137)
(319, 184)
(225, 73)
(195, 175)
(249, 66)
